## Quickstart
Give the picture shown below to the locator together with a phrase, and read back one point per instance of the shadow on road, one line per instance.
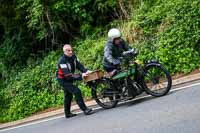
(134, 101)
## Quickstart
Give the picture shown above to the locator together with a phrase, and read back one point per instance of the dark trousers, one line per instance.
(109, 68)
(69, 90)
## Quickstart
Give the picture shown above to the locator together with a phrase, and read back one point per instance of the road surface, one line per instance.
(178, 112)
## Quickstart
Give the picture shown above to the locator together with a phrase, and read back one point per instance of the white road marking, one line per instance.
(58, 117)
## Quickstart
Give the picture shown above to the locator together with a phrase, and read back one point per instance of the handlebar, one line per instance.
(133, 52)
(128, 55)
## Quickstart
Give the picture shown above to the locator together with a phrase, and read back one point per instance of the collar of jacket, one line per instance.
(110, 40)
(68, 58)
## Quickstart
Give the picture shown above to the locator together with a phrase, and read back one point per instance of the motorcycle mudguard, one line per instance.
(152, 62)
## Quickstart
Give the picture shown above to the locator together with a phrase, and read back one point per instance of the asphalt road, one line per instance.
(178, 112)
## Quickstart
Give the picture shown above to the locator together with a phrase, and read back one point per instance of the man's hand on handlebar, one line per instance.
(130, 52)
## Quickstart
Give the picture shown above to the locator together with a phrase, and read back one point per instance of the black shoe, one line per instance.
(88, 111)
(70, 115)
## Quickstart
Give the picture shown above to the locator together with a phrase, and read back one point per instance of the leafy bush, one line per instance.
(90, 52)
(10, 56)
(167, 30)
(33, 90)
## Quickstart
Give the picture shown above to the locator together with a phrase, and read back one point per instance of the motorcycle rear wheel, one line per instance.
(103, 100)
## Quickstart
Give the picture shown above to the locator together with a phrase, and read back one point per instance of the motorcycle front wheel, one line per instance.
(156, 80)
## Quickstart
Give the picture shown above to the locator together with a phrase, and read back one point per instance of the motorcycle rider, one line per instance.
(113, 50)
(65, 76)
(114, 47)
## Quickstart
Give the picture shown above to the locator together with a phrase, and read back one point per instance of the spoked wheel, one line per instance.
(104, 95)
(156, 80)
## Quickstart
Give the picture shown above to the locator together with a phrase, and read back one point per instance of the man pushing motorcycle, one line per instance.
(67, 65)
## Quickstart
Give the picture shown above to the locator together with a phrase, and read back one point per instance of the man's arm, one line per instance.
(109, 57)
(126, 47)
(79, 66)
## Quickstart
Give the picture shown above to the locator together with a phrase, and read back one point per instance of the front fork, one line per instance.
(138, 73)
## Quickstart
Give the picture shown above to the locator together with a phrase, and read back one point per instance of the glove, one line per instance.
(116, 62)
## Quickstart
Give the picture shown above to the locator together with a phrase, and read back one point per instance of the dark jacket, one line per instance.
(67, 66)
(113, 52)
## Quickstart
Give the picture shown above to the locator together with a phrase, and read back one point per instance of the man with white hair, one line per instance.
(67, 65)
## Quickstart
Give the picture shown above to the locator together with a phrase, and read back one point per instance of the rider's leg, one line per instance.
(111, 70)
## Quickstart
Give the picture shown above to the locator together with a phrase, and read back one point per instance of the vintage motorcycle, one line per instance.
(130, 81)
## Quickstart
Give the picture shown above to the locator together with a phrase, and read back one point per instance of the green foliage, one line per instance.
(91, 52)
(63, 16)
(167, 30)
(33, 90)
(33, 27)
(12, 49)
